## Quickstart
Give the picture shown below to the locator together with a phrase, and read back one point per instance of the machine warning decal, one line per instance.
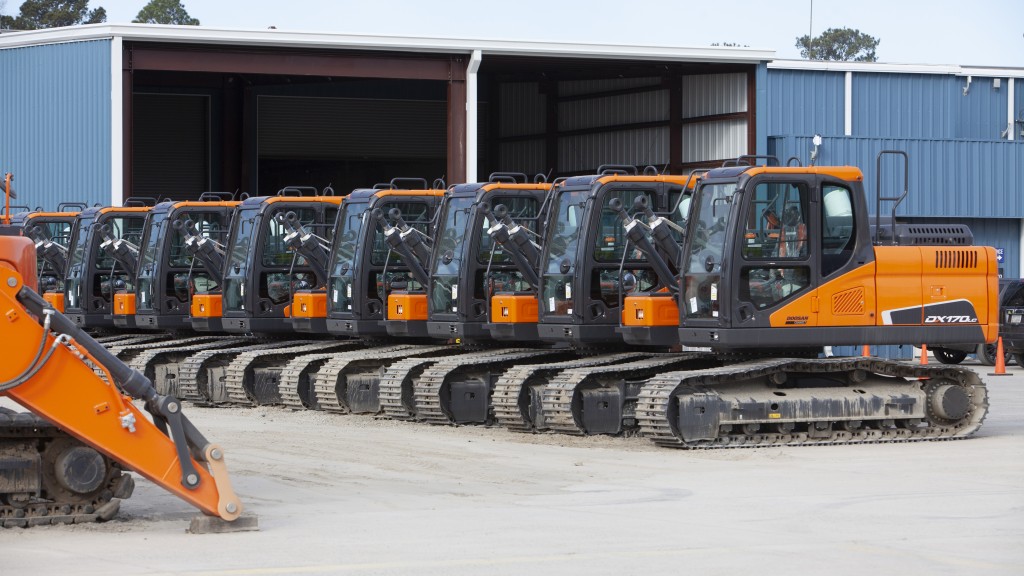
(796, 320)
(953, 312)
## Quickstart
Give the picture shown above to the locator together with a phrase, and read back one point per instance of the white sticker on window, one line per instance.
(334, 295)
(568, 291)
(693, 305)
(714, 292)
(455, 291)
(551, 304)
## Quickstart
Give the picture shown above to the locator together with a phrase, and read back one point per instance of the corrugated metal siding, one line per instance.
(526, 156)
(301, 127)
(1018, 110)
(982, 112)
(805, 102)
(970, 179)
(578, 87)
(709, 94)
(638, 147)
(904, 105)
(171, 145)
(714, 140)
(613, 110)
(523, 109)
(55, 113)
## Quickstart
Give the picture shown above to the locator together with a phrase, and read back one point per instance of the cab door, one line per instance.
(846, 291)
(777, 267)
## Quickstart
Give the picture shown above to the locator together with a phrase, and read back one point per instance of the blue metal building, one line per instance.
(962, 127)
(55, 116)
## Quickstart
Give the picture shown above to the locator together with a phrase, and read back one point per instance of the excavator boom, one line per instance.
(49, 373)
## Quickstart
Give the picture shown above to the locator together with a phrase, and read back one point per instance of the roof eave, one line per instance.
(301, 39)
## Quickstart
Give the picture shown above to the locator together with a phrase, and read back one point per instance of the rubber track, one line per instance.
(115, 346)
(147, 361)
(559, 392)
(240, 365)
(325, 383)
(509, 387)
(191, 367)
(653, 407)
(112, 339)
(396, 384)
(427, 388)
(31, 428)
(392, 386)
(120, 350)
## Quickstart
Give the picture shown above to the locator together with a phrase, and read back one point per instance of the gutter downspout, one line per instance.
(1011, 126)
(471, 114)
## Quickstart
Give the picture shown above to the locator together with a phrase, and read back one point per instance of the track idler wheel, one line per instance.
(76, 473)
(948, 403)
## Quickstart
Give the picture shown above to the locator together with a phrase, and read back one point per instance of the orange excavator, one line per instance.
(64, 461)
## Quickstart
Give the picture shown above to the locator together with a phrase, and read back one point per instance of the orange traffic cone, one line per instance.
(924, 354)
(1000, 360)
(865, 351)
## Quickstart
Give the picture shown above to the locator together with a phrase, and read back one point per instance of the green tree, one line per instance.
(165, 12)
(36, 14)
(5, 20)
(839, 44)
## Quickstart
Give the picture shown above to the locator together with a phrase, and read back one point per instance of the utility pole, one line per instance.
(810, 36)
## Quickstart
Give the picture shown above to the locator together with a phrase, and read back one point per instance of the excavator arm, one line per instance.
(53, 253)
(47, 370)
(306, 244)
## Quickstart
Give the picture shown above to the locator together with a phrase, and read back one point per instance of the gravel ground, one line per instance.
(356, 495)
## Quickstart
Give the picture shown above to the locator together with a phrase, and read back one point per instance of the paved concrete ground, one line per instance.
(354, 495)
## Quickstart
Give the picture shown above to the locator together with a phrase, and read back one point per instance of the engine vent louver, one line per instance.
(956, 258)
(848, 302)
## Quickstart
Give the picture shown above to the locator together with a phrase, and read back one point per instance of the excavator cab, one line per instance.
(51, 231)
(261, 271)
(783, 258)
(168, 275)
(94, 274)
(375, 290)
(589, 264)
(467, 265)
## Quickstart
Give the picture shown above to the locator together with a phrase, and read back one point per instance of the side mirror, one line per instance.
(628, 282)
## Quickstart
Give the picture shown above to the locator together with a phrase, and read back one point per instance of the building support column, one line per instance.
(848, 105)
(456, 169)
(760, 106)
(472, 116)
(126, 114)
(1020, 250)
(675, 122)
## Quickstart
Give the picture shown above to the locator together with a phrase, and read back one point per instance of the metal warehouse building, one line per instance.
(101, 113)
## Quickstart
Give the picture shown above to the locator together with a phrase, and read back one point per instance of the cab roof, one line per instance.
(848, 173)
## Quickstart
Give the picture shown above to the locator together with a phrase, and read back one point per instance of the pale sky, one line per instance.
(965, 32)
